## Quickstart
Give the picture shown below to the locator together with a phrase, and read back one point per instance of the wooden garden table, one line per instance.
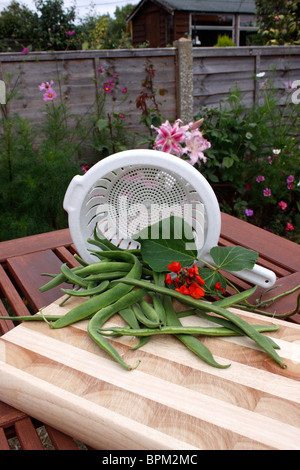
(23, 260)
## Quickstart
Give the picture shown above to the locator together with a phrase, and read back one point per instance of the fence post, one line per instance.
(185, 88)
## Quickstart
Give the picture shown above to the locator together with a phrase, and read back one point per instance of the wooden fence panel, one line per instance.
(215, 72)
(77, 80)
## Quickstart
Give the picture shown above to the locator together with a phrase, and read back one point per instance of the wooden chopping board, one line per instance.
(172, 401)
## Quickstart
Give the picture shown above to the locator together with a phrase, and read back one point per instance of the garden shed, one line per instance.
(160, 22)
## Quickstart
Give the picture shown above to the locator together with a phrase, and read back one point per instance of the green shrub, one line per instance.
(255, 154)
(224, 41)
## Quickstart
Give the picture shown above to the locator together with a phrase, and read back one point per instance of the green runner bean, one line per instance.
(141, 317)
(72, 277)
(104, 314)
(88, 292)
(149, 311)
(248, 330)
(142, 340)
(32, 318)
(226, 323)
(129, 317)
(91, 306)
(104, 267)
(192, 343)
(175, 330)
(159, 308)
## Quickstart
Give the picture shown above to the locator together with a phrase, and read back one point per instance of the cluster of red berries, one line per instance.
(187, 281)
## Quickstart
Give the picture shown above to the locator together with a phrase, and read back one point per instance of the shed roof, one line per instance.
(203, 6)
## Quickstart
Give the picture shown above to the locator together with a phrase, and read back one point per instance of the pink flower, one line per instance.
(264, 83)
(282, 205)
(107, 88)
(249, 212)
(288, 86)
(260, 178)
(49, 95)
(195, 125)
(195, 145)
(124, 90)
(267, 192)
(170, 137)
(70, 33)
(25, 50)
(121, 116)
(46, 86)
(289, 227)
(100, 69)
(85, 168)
(290, 179)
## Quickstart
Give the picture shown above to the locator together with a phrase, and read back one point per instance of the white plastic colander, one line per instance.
(130, 190)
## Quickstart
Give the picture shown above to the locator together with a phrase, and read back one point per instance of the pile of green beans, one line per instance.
(117, 284)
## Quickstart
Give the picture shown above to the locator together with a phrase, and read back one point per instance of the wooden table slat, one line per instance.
(11, 294)
(3, 441)
(60, 440)
(270, 245)
(30, 244)
(27, 271)
(27, 435)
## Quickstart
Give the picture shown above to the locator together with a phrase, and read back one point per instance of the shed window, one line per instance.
(217, 20)
(205, 29)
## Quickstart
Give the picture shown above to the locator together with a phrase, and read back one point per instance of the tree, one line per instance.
(279, 21)
(55, 25)
(105, 32)
(17, 27)
(50, 28)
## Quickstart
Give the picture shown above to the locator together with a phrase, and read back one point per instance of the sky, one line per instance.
(83, 7)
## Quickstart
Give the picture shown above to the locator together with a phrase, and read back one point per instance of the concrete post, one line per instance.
(185, 79)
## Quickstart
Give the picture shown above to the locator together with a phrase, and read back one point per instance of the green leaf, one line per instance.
(211, 276)
(168, 240)
(102, 124)
(228, 162)
(233, 258)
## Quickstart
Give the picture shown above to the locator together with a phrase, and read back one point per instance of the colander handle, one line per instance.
(259, 275)
(74, 194)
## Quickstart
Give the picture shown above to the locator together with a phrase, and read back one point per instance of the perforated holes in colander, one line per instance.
(129, 199)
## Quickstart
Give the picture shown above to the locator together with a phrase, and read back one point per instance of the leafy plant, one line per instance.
(147, 102)
(279, 21)
(255, 152)
(224, 41)
(36, 166)
(108, 129)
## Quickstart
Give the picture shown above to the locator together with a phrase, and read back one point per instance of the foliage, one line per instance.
(54, 24)
(104, 32)
(279, 21)
(107, 121)
(51, 28)
(93, 32)
(36, 166)
(17, 27)
(224, 41)
(255, 152)
(148, 104)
